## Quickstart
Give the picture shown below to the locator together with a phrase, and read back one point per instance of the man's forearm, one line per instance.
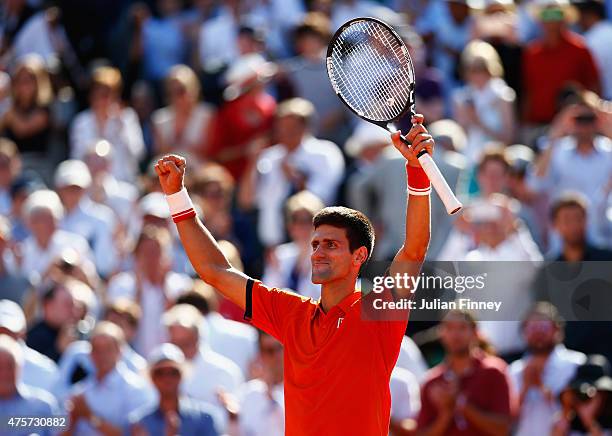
(439, 426)
(493, 424)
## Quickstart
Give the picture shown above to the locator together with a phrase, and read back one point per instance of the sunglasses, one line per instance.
(585, 118)
(270, 351)
(166, 372)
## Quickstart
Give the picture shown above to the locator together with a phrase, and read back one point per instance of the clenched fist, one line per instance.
(418, 137)
(171, 170)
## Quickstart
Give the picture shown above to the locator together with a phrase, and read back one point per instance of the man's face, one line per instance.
(186, 339)
(540, 333)
(570, 222)
(299, 226)
(42, 224)
(492, 178)
(105, 353)
(585, 124)
(61, 309)
(457, 336)
(8, 374)
(331, 256)
(289, 129)
(166, 377)
(70, 195)
(271, 352)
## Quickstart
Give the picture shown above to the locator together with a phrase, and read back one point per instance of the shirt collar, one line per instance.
(343, 305)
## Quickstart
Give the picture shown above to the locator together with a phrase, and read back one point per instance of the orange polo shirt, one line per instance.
(337, 366)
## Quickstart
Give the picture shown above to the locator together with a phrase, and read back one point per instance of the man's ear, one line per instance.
(360, 256)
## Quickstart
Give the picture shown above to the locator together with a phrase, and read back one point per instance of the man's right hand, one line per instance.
(171, 170)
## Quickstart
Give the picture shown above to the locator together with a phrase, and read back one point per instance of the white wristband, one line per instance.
(179, 202)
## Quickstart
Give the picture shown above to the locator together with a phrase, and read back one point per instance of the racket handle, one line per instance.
(452, 204)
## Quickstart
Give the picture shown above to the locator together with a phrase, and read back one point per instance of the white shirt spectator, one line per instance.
(153, 302)
(599, 40)
(537, 413)
(405, 394)
(321, 162)
(38, 370)
(37, 260)
(119, 196)
(122, 130)
(195, 131)
(231, 339)
(262, 413)
(278, 274)
(209, 371)
(411, 359)
(38, 37)
(96, 223)
(342, 11)
(218, 39)
(120, 393)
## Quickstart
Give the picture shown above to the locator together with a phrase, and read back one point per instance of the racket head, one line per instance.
(371, 70)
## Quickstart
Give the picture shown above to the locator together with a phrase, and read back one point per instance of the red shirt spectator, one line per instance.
(548, 68)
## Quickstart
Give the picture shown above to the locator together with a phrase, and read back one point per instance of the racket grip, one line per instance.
(452, 204)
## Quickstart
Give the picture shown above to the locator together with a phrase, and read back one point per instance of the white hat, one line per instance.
(11, 316)
(166, 352)
(44, 199)
(154, 204)
(366, 135)
(247, 68)
(72, 172)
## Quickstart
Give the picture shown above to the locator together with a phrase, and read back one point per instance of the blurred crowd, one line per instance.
(103, 318)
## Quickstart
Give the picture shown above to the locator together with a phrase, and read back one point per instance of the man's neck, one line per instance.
(334, 292)
(168, 403)
(460, 362)
(574, 252)
(100, 376)
(585, 145)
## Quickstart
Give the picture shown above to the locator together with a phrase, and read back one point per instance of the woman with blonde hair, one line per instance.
(28, 121)
(485, 105)
(183, 125)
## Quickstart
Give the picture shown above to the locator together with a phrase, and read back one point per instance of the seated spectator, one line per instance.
(93, 221)
(248, 109)
(298, 161)
(10, 167)
(405, 401)
(17, 399)
(288, 265)
(43, 212)
(102, 402)
(28, 120)
(210, 372)
(38, 370)
(559, 56)
(173, 413)
(5, 92)
(469, 392)
(484, 107)
(587, 401)
(20, 190)
(13, 284)
(152, 284)
(262, 400)
(59, 316)
(183, 126)
(543, 373)
(235, 340)
(107, 119)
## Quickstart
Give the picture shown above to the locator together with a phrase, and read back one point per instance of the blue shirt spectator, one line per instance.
(30, 402)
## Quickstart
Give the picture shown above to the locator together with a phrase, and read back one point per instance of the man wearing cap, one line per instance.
(173, 413)
(95, 222)
(38, 370)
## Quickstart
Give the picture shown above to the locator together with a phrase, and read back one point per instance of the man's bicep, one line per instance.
(231, 283)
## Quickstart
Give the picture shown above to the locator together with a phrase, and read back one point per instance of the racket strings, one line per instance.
(373, 72)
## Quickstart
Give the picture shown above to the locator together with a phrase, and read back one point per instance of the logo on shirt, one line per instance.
(339, 322)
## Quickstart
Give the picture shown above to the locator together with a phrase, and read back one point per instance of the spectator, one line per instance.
(173, 413)
(575, 148)
(15, 14)
(262, 400)
(20, 190)
(218, 35)
(307, 75)
(93, 221)
(13, 284)
(248, 109)
(152, 284)
(587, 403)
(107, 119)
(19, 400)
(43, 213)
(182, 126)
(235, 340)
(210, 372)
(485, 105)
(59, 316)
(102, 402)
(289, 264)
(469, 392)
(10, 167)
(543, 373)
(38, 370)
(5, 92)
(28, 121)
(298, 161)
(550, 62)
(598, 37)
(405, 402)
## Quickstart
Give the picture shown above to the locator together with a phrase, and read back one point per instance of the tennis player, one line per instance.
(337, 365)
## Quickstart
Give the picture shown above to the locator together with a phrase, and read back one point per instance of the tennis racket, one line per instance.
(371, 71)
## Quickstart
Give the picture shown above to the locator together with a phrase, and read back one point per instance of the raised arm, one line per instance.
(411, 255)
(201, 248)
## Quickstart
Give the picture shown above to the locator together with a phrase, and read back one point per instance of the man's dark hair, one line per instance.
(493, 154)
(567, 200)
(359, 230)
(595, 7)
(546, 310)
